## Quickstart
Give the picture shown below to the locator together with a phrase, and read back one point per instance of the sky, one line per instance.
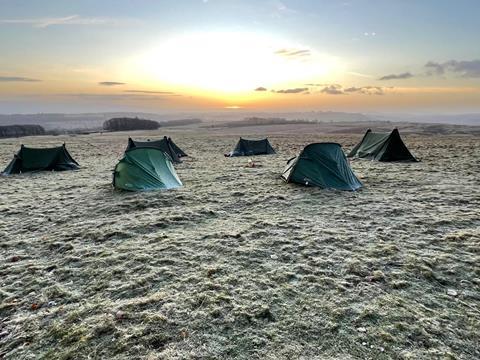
(414, 56)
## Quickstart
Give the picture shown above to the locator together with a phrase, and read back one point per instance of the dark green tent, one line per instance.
(177, 150)
(382, 147)
(33, 159)
(166, 145)
(252, 147)
(145, 168)
(323, 165)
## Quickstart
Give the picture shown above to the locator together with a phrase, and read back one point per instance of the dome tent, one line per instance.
(382, 147)
(145, 168)
(41, 159)
(252, 147)
(323, 165)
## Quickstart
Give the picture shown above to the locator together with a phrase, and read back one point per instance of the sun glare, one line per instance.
(232, 63)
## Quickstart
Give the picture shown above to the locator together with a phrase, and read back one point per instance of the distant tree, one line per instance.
(124, 124)
(21, 130)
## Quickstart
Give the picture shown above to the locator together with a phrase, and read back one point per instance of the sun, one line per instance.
(231, 63)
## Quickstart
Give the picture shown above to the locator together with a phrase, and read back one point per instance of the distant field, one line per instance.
(326, 121)
(237, 264)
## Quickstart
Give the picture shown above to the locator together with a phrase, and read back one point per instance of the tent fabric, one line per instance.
(252, 147)
(166, 145)
(323, 165)
(145, 168)
(382, 147)
(177, 150)
(34, 159)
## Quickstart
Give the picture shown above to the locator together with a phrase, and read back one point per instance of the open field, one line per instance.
(238, 264)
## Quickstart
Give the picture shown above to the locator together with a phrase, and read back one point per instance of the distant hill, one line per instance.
(181, 122)
(57, 122)
(92, 121)
(87, 122)
(21, 130)
(258, 121)
(456, 119)
(125, 123)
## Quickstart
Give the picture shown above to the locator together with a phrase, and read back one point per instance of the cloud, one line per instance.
(337, 89)
(261, 88)
(17, 79)
(360, 74)
(291, 91)
(111, 83)
(316, 84)
(294, 53)
(334, 89)
(150, 92)
(434, 68)
(113, 97)
(353, 89)
(281, 9)
(66, 20)
(367, 90)
(466, 69)
(405, 75)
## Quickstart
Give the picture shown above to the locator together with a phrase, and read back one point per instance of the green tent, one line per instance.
(323, 165)
(252, 147)
(382, 147)
(145, 168)
(32, 159)
(177, 150)
(166, 145)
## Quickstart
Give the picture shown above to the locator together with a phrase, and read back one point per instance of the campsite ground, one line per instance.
(238, 264)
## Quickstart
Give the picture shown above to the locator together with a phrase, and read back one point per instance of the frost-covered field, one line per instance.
(238, 264)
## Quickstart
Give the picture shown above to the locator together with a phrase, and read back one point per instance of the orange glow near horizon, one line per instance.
(235, 71)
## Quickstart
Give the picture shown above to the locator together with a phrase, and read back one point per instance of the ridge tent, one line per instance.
(145, 168)
(382, 147)
(166, 145)
(37, 159)
(252, 147)
(323, 165)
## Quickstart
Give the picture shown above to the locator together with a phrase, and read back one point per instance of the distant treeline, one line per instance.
(182, 122)
(125, 123)
(258, 121)
(21, 130)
